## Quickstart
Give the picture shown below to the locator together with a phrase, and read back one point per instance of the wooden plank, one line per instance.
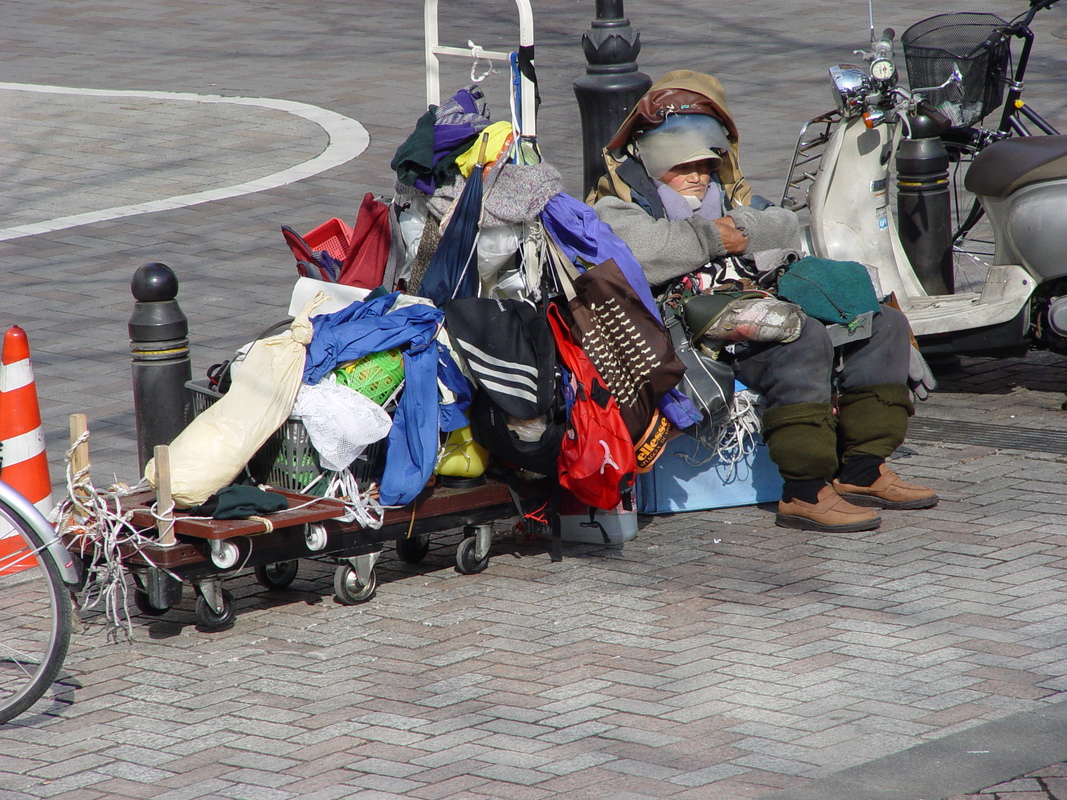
(441, 500)
(433, 501)
(436, 502)
(302, 509)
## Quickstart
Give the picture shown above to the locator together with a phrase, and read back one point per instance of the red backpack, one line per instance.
(596, 460)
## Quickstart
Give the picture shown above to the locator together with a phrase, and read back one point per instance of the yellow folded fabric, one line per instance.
(499, 139)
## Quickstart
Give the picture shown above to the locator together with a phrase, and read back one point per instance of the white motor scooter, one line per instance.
(1021, 183)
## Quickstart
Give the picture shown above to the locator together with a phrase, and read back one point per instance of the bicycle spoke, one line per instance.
(35, 616)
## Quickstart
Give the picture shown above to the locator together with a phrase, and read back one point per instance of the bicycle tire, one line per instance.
(36, 616)
(972, 236)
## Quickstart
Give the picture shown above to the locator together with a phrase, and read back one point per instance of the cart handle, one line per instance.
(433, 69)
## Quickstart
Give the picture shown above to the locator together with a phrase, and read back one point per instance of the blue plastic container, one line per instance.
(686, 477)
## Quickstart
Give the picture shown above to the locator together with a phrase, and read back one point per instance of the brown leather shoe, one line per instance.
(889, 491)
(831, 513)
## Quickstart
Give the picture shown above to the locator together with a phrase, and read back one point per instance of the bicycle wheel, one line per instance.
(35, 616)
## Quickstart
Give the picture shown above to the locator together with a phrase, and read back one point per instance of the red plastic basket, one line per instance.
(333, 236)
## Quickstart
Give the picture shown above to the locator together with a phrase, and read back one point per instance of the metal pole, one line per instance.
(611, 86)
(159, 343)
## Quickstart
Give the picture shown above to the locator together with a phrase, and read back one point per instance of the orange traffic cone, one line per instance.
(25, 462)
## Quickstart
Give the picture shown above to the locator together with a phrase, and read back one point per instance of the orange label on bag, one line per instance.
(652, 442)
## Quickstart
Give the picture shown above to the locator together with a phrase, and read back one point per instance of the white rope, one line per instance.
(733, 439)
(100, 529)
(361, 506)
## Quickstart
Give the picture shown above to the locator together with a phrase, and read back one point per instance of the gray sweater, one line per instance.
(667, 249)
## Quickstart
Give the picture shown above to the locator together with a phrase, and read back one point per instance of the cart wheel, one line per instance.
(277, 575)
(315, 536)
(209, 618)
(144, 605)
(413, 550)
(466, 561)
(348, 588)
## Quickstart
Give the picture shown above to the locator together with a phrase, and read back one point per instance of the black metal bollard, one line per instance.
(924, 214)
(611, 86)
(159, 342)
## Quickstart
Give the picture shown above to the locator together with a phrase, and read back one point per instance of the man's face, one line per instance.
(689, 179)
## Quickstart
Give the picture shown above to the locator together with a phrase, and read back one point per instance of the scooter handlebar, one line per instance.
(884, 47)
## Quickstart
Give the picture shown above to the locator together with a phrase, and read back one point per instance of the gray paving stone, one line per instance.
(640, 768)
(507, 774)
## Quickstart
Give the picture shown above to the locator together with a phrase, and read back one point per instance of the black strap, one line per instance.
(526, 67)
(642, 189)
(592, 523)
(712, 383)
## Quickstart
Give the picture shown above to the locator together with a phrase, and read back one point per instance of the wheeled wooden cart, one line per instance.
(207, 551)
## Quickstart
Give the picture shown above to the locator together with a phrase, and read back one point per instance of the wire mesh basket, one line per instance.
(934, 46)
(287, 460)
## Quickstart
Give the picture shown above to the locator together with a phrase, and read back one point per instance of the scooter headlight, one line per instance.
(850, 88)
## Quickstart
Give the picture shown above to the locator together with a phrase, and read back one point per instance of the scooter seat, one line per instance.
(1012, 163)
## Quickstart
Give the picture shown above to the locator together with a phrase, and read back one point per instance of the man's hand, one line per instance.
(733, 240)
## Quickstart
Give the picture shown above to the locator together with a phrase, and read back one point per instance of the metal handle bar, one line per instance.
(1018, 27)
(433, 49)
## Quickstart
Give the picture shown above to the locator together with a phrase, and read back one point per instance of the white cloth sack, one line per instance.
(340, 421)
(216, 445)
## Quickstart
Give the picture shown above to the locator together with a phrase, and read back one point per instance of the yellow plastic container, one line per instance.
(461, 456)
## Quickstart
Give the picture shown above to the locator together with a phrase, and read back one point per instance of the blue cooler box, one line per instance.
(686, 477)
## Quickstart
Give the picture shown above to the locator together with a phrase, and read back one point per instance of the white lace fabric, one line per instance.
(340, 421)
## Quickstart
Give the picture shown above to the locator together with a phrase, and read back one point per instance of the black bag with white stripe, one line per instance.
(508, 349)
(511, 356)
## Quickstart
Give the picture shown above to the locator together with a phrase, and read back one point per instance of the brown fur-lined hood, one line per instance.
(681, 91)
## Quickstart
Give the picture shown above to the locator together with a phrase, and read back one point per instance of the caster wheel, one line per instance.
(316, 537)
(277, 575)
(349, 590)
(466, 561)
(144, 605)
(209, 618)
(413, 550)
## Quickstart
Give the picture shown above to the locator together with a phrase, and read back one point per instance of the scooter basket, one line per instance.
(934, 46)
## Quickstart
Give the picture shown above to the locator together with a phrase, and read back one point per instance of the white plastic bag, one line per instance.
(497, 244)
(216, 445)
(412, 221)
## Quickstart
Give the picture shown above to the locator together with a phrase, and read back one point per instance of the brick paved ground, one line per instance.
(715, 656)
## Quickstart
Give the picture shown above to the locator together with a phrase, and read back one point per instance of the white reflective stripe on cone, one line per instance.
(22, 447)
(15, 376)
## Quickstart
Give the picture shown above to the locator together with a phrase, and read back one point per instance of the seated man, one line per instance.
(675, 194)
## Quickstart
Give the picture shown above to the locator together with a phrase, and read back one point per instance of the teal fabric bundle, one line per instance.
(830, 291)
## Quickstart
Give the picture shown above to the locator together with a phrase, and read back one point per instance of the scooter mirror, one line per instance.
(955, 77)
